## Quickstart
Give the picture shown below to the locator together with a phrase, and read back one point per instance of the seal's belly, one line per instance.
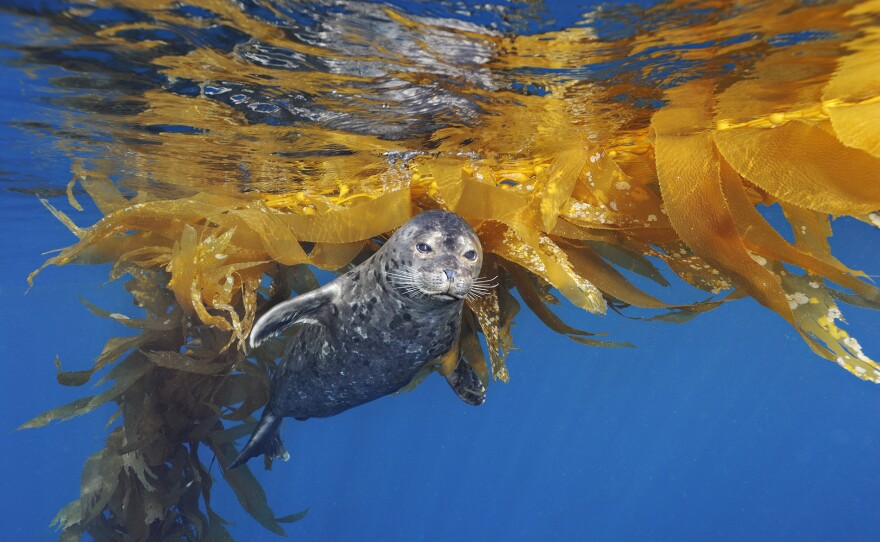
(322, 375)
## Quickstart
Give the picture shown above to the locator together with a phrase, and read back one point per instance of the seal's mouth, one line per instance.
(435, 287)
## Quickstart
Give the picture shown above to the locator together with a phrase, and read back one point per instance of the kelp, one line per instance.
(250, 162)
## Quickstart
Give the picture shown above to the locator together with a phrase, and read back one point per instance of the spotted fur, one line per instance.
(374, 328)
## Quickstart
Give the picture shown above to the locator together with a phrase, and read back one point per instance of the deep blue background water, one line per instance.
(724, 428)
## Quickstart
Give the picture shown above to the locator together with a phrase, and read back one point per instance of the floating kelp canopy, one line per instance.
(230, 146)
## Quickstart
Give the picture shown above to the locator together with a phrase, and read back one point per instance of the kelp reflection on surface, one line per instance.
(250, 140)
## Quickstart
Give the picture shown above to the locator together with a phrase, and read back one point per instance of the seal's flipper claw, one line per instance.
(284, 315)
(465, 382)
(266, 439)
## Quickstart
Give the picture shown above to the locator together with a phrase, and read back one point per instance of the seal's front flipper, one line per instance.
(266, 439)
(466, 384)
(286, 314)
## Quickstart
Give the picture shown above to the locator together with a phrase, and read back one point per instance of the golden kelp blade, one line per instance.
(707, 206)
(689, 172)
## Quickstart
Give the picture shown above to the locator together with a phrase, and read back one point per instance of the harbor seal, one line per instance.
(369, 332)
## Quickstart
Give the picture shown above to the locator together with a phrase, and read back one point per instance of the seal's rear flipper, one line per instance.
(466, 384)
(266, 439)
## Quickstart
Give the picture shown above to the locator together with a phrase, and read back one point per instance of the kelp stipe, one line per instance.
(232, 166)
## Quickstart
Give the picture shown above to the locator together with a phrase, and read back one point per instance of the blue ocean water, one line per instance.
(723, 428)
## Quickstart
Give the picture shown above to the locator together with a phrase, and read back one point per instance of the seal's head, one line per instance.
(436, 256)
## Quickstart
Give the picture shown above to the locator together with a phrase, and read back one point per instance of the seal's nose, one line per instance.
(450, 274)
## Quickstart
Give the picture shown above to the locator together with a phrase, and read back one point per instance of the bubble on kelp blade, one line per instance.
(573, 156)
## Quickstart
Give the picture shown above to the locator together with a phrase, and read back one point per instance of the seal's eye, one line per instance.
(471, 255)
(423, 248)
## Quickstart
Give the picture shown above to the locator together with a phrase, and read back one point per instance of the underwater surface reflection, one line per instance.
(651, 161)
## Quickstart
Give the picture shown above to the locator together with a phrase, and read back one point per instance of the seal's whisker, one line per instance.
(401, 273)
(486, 282)
(473, 296)
(412, 291)
(476, 293)
(404, 278)
(409, 290)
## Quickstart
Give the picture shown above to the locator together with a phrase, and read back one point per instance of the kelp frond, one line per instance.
(569, 189)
